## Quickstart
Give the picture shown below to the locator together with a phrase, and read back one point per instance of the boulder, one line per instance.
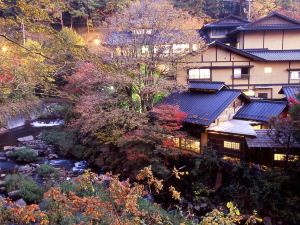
(8, 153)
(25, 139)
(53, 156)
(20, 203)
(8, 148)
(25, 169)
(14, 194)
(2, 183)
(3, 130)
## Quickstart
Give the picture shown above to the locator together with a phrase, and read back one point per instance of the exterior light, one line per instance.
(97, 41)
(249, 93)
(112, 88)
(4, 49)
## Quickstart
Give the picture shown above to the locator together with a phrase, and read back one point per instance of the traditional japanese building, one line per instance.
(227, 120)
(258, 57)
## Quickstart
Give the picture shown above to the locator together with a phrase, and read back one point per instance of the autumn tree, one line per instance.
(283, 131)
(261, 8)
(147, 38)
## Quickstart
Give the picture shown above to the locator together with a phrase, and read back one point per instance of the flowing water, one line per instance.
(34, 128)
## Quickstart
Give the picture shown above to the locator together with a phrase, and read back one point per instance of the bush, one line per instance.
(24, 155)
(66, 141)
(47, 171)
(30, 191)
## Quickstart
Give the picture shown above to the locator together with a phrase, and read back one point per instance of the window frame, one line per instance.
(291, 75)
(232, 145)
(199, 76)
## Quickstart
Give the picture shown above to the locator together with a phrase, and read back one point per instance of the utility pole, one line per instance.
(23, 31)
(249, 10)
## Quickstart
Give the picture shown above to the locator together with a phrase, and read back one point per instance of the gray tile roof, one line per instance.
(264, 140)
(206, 86)
(202, 108)
(291, 91)
(229, 21)
(261, 110)
(276, 55)
(286, 23)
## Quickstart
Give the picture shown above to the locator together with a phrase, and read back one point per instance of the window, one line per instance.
(262, 95)
(197, 74)
(232, 145)
(268, 69)
(186, 144)
(282, 157)
(218, 33)
(240, 72)
(142, 31)
(145, 49)
(295, 75)
(180, 48)
(190, 144)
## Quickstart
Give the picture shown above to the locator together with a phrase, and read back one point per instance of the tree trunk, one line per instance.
(61, 20)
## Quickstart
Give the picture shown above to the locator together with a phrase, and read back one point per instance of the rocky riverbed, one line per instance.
(14, 158)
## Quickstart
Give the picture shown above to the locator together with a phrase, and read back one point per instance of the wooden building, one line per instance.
(229, 121)
(258, 57)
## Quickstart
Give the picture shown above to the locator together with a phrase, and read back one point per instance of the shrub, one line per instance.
(24, 155)
(65, 140)
(30, 191)
(47, 171)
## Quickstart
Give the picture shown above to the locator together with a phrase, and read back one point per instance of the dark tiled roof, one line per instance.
(202, 108)
(291, 91)
(260, 110)
(276, 55)
(206, 86)
(229, 21)
(237, 51)
(264, 140)
(286, 23)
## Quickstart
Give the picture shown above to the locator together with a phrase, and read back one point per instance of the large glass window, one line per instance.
(232, 145)
(282, 157)
(198, 74)
(295, 75)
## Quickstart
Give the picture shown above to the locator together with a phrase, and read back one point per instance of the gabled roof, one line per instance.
(203, 108)
(235, 50)
(206, 86)
(229, 21)
(276, 55)
(239, 127)
(274, 21)
(261, 110)
(290, 91)
(264, 140)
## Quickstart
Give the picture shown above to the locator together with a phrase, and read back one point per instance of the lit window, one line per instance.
(268, 69)
(197, 74)
(145, 49)
(295, 75)
(186, 144)
(180, 48)
(194, 47)
(232, 145)
(282, 157)
(256, 127)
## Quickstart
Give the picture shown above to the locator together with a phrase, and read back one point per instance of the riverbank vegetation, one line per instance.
(110, 122)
